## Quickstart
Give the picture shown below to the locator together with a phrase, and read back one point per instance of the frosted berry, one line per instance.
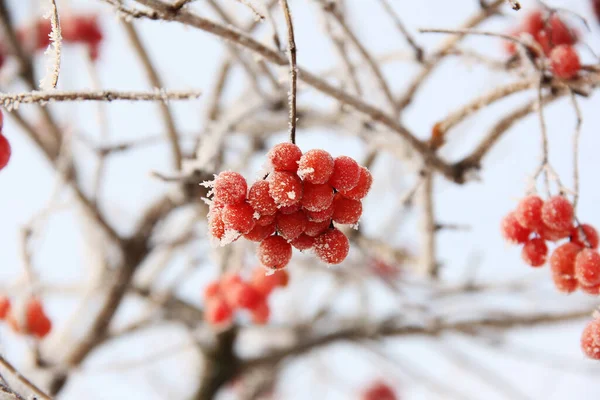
(216, 227)
(315, 166)
(589, 340)
(265, 220)
(346, 173)
(587, 267)
(314, 229)
(534, 252)
(303, 242)
(557, 213)
(552, 235)
(529, 212)
(533, 22)
(274, 252)
(4, 307)
(562, 260)
(587, 238)
(593, 290)
(260, 233)
(289, 209)
(285, 188)
(229, 281)
(320, 216)
(285, 157)
(564, 283)
(261, 313)
(290, 226)
(559, 33)
(512, 231)
(218, 312)
(5, 151)
(37, 322)
(246, 296)
(230, 187)
(332, 246)
(379, 391)
(346, 211)
(239, 217)
(564, 62)
(265, 284)
(317, 197)
(212, 289)
(365, 180)
(260, 199)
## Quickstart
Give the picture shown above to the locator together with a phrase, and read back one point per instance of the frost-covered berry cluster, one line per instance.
(29, 318)
(575, 263)
(232, 293)
(298, 204)
(5, 150)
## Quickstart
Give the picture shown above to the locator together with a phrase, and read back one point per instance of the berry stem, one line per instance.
(293, 68)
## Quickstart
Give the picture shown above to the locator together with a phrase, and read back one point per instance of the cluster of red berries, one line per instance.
(5, 150)
(379, 391)
(590, 339)
(574, 264)
(230, 293)
(75, 29)
(296, 205)
(556, 39)
(31, 319)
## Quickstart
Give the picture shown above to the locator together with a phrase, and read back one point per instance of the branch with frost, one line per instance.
(51, 79)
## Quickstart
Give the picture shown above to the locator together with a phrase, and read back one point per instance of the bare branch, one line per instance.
(293, 68)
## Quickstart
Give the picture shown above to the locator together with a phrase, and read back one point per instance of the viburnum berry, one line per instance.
(564, 62)
(289, 209)
(529, 212)
(559, 32)
(379, 391)
(290, 226)
(265, 220)
(303, 242)
(261, 313)
(4, 307)
(593, 290)
(36, 320)
(314, 229)
(565, 283)
(320, 216)
(585, 235)
(285, 157)
(358, 192)
(552, 235)
(346, 173)
(590, 343)
(217, 311)
(562, 264)
(266, 283)
(260, 233)
(230, 187)
(512, 231)
(216, 227)
(346, 211)
(246, 296)
(285, 188)
(315, 166)
(534, 252)
(317, 197)
(260, 199)
(533, 22)
(5, 151)
(212, 289)
(587, 267)
(239, 217)
(557, 213)
(332, 246)
(274, 252)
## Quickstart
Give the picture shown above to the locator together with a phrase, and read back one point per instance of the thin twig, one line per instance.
(56, 40)
(398, 22)
(293, 67)
(576, 137)
(24, 381)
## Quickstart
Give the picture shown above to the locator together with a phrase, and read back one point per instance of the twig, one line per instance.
(515, 4)
(24, 381)
(293, 68)
(428, 260)
(56, 40)
(248, 4)
(411, 41)
(576, 137)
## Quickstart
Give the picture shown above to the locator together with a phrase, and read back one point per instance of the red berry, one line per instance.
(379, 391)
(260, 233)
(512, 231)
(557, 213)
(529, 212)
(510, 47)
(559, 33)
(564, 283)
(230, 187)
(5, 151)
(346, 211)
(562, 260)
(285, 157)
(212, 289)
(315, 166)
(290, 226)
(552, 235)
(320, 216)
(564, 62)
(266, 283)
(317, 197)
(346, 173)
(261, 314)
(218, 312)
(593, 290)
(589, 340)
(289, 209)
(265, 220)
(314, 229)
(37, 322)
(260, 199)
(239, 217)
(533, 22)
(216, 227)
(303, 242)
(360, 191)
(332, 246)
(534, 252)
(4, 307)
(274, 252)
(285, 188)
(587, 267)
(245, 296)
(229, 281)
(587, 238)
